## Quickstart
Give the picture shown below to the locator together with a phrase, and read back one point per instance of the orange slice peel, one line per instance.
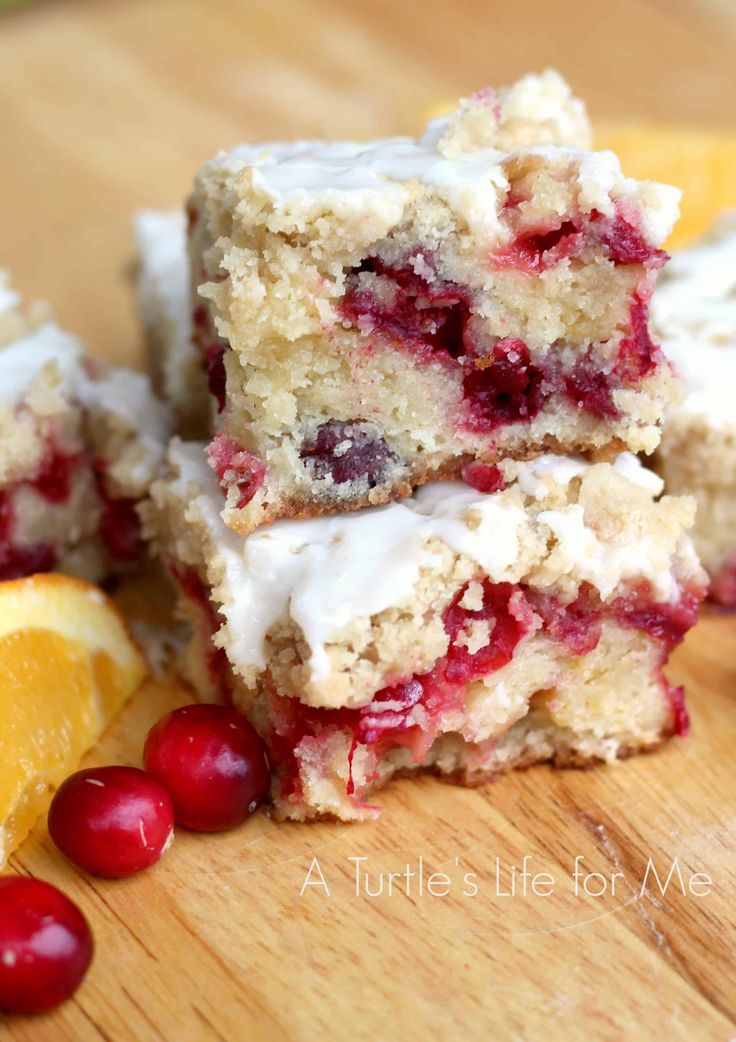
(67, 666)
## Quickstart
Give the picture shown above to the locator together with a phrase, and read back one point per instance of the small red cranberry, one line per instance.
(213, 764)
(483, 477)
(505, 388)
(347, 450)
(112, 821)
(45, 946)
(233, 465)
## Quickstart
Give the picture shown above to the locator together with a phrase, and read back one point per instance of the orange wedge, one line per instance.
(67, 665)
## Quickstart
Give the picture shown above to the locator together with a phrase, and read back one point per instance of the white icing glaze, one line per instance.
(473, 184)
(127, 395)
(309, 176)
(562, 469)
(694, 315)
(530, 474)
(161, 240)
(113, 390)
(352, 175)
(604, 563)
(324, 573)
(631, 467)
(660, 209)
(22, 360)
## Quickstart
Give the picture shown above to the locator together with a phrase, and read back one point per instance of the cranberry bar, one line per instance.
(694, 310)
(163, 296)
(454, 630)
(80, 442)
(377, 315)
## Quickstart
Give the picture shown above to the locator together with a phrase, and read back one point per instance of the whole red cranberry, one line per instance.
(347, 450)
(45, 946)
(112, 821)
(212, 763)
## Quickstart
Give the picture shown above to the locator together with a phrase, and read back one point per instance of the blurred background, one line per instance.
(110, 105)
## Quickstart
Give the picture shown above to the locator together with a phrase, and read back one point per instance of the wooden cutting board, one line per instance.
(263, 933)
(109, 106)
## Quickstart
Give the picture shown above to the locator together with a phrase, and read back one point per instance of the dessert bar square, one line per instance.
(377, 315)
(454, 630)
(694, 311)
(80, 442)
(163, 296)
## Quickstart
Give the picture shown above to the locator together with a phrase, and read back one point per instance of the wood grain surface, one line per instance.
(107, 106)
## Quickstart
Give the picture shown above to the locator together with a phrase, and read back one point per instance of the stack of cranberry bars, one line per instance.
(416, 535)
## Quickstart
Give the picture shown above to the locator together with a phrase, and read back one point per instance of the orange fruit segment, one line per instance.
(67, 665)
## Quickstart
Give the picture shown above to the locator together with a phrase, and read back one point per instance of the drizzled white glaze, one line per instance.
(327, 572)
(23, 360)
(605, 562)
(112, 390)
(630, 467)
(127, 395)
(161, 240)
(562, 469)
(350, 174)
(307, 176)
(694, 315)
(530, 474)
